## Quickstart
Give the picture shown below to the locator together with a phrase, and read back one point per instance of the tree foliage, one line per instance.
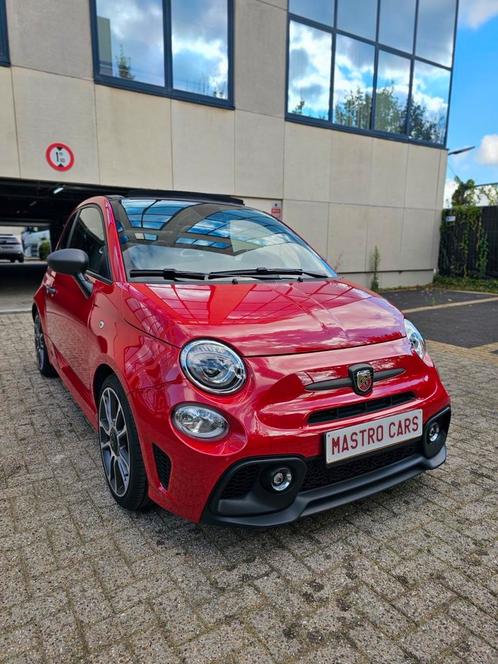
(465, 193)
(391, 115)
(124, 65)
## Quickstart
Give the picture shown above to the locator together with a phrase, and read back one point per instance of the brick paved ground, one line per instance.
(410, 575)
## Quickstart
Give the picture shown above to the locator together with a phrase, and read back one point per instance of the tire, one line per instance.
(120, 451)
(21, 260)
(42, 361)
(12, 260)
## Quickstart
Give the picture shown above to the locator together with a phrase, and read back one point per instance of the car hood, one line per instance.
(264, 318)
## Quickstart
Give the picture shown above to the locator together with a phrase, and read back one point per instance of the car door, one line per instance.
(70, 299)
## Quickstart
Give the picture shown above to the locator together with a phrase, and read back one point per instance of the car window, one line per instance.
(89, 235)
(66, 232)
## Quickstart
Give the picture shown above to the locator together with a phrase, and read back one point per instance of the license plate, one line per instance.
(374, 435)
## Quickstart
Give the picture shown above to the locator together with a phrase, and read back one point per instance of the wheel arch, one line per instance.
(103, 371)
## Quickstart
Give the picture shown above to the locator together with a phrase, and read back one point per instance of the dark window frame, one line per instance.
(167, 90)
(74, 222)
(4, 37)
(379, 46)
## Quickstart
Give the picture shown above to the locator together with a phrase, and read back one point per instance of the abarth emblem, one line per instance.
(362, 376)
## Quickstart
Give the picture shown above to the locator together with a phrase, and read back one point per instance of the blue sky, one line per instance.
(474, 102)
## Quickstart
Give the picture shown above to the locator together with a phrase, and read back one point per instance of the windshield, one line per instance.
(208, 237)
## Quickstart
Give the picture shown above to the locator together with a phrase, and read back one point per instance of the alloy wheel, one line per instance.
(39, 343)
(114, 442)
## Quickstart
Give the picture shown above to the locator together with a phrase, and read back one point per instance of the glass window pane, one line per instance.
(200, 46)
(3, 32)
(130, 40)
(429, 107)
(353, 82)
(397, 24)
(88, 235)
(391, 101)
(358, 17)
(436, 23)
(310, 55)
(316, 10)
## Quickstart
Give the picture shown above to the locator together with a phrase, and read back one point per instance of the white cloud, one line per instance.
(449, 190)
(488, 150)
(474, 13)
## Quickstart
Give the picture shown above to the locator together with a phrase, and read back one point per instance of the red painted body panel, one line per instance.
(264, 318)
(290, 334)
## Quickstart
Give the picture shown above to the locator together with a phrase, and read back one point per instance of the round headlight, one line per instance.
(416, 339)
(199, 422)
(213, 366)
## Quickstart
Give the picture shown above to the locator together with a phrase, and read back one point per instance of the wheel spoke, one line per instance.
(119, 414)
(124, 470)
(107, 461)
(115, 473)
(106, 427)
(106, 398)
(105, 444)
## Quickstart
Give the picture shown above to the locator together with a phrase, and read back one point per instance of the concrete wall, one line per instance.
(343, 192)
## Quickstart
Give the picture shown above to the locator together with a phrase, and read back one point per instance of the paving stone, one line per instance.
(407, 575)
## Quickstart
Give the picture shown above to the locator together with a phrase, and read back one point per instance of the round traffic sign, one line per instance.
(59, 156)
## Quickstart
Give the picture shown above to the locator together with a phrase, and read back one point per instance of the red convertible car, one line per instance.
(232, 377)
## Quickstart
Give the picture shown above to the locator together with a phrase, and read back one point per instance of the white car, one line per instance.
(11, 248)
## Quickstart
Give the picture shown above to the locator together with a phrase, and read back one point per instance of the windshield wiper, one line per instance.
(266, 271)
(171, 274)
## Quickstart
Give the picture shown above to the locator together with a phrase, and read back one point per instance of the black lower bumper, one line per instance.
(243, 497)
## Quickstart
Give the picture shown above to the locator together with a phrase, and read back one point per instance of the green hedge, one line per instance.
(464, 247)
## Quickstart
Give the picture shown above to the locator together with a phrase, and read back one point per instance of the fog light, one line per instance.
(200, 422)
(434, 432)
(281, 479)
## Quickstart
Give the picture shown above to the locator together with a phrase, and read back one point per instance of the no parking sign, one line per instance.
(59, 156)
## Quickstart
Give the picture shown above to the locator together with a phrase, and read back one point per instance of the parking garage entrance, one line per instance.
(44, 206)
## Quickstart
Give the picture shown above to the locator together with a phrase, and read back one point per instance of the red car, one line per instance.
(233, 378)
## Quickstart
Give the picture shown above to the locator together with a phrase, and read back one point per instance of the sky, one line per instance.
(474, 100)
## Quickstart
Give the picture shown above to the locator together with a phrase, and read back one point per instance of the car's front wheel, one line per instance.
(120, 448)
(44, 366)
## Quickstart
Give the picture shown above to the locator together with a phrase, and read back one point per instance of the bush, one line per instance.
(43, 250)
(464, 248)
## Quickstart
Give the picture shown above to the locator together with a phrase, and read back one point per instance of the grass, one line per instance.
(467, 283)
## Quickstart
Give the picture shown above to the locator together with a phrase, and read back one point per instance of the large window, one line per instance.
(4, 48)
(179, 48)
(376, 66)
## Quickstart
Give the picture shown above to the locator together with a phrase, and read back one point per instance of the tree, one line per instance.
(490, 191)
(124, 65)
(390, 114)
(465, 193)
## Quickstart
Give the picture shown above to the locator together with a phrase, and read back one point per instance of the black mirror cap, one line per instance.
(68, 261)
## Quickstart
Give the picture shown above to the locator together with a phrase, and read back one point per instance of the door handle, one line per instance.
(50, 290)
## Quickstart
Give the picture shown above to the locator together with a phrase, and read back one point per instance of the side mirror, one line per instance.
(68, 261)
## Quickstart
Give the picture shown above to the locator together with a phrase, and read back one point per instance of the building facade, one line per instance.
(333, 111)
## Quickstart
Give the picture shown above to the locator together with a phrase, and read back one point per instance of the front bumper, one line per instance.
(334, 495)
(242, 498)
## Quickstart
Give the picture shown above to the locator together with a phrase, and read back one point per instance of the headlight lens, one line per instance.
(200, 422)
(213, 366)
(416, 339)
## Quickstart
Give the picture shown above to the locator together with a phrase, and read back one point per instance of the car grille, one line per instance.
(361, 408)
(319, 474)
(241, 482)
(163, 465)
